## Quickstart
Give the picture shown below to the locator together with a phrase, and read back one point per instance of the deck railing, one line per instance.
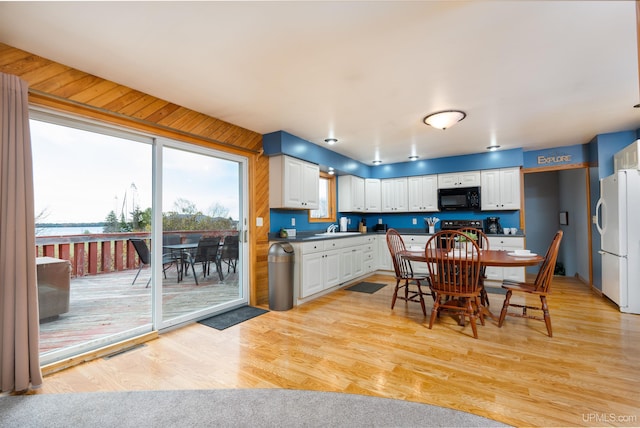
(97, 253)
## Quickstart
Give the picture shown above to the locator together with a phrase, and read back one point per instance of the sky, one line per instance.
(80, 176)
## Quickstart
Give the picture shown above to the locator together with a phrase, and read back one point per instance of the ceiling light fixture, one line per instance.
(331, 171)
(493, 148)
(444, 119)
(413, 157)
(331, 141)
(377, 162)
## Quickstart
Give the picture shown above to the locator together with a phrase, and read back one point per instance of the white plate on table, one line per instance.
(527, 255)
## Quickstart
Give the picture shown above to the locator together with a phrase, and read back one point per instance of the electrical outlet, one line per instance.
(379, 221)
(348, 221)
(259, 221)
(415, 221)
(594, 219)
(293, 221)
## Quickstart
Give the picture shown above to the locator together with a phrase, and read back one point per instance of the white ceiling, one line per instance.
(532, 74)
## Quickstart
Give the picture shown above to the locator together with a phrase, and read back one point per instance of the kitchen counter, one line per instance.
(305, 236)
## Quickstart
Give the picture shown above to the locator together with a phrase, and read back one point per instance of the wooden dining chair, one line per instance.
(541, 287)
(454, 270)
(483, 242)
(405, 277)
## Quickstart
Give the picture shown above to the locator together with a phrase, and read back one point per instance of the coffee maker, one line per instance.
(492, 225)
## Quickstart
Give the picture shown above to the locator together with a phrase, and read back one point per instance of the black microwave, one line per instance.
(460, 198)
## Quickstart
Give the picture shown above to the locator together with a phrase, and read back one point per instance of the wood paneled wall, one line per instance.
(66, 89)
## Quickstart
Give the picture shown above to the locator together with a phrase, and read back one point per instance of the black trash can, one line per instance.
(281, 258)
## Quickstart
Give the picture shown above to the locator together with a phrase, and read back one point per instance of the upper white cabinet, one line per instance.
(372, 195)
(500, 189)
(293, 183)
(459, 179)
(394, 194)
(350, 193)
(423, 193)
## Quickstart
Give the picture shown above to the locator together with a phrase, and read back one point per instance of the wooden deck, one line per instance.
(106, 304)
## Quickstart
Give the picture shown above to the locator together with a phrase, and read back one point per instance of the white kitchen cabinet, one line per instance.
(350, 193)
(372, 195)
(293, 183)
(500, 189)
(394, 194)
(495, 273)
(384, 257)
(319, 269)
(459, 179)
(370, 254)
(422, 193)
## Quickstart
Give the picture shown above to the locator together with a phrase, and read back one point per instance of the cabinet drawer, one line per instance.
(311, 247)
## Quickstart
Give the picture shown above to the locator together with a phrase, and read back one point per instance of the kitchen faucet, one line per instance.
(332, 228)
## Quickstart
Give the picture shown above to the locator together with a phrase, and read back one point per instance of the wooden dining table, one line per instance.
(487, 258)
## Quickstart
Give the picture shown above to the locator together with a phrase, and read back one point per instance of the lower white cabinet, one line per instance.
(495, 273)
(319, 272)
(321, 265)
(417, 242)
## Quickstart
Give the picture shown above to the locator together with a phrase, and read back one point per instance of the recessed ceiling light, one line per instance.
(331, 141)
(413, 157)
(377, 162)
(493, 148)
(444, 119)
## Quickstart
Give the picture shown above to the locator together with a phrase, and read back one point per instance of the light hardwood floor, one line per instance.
(588, 374)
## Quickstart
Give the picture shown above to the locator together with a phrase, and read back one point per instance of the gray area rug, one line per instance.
(366, 287)
(226, 408)
(233, 317)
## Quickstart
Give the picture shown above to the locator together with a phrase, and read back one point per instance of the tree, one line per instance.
(112, 224)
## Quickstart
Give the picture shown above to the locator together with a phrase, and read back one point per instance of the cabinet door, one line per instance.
(387, 195)
(447, 181)
(400, 194)
(292, 182)
(358, 262)
(384, 257)
(311, 183)
(414, 193)
(332, 268)
(346, 265)
(510, 189)
(312, 274)
(430, 193)
(469, 179)
(372, 196)
(490, 190)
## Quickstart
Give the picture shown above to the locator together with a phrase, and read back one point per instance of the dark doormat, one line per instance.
(366, 287)
(233, 317)
(496, 290)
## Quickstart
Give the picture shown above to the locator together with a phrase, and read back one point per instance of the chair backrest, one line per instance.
(454, 263)
(207, 249)
(170, 239)
(481, 238)
(230, 248)
(401, 265)
(142, 250)
(545, 274)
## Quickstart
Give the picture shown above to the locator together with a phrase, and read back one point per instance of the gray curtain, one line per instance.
(19, 324)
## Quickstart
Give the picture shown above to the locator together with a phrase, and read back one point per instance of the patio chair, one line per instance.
(206, 253)
(145, 258)
(230, 252)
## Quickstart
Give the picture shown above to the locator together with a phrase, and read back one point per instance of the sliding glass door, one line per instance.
(134, 233)
(203, 224)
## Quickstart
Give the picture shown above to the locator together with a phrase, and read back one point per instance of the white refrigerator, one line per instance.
(618, 221)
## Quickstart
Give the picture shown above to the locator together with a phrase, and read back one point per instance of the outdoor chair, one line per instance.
(230, 252)
(540, 287)
(206, 253)
(405, 276)
(454, 270)
(144, 255)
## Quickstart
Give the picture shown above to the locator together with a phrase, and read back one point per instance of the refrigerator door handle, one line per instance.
(598, 210)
